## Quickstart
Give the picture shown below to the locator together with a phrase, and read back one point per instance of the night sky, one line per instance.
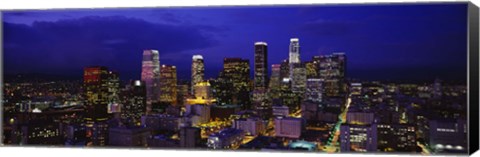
(382, 42)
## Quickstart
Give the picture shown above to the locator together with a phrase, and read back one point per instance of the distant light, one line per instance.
(36, 110)
(439, 146)
(196, 57)
(261, 43)
(294, 40)
(138, 83)
(449, 147)
(459, 147)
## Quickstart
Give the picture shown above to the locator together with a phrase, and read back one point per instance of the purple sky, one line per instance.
(381, 41)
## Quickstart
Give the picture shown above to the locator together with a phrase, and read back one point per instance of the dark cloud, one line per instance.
(114, 41)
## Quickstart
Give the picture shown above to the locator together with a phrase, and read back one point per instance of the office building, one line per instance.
(225, 139)
(396, 137)
(332, 71)
(151, 76)
(289, 127)
(168, 85)
(198, 71)
(314, 90)
(358, 138)
(134, 102)
(100, 91)
(253, 126)
(236, 71)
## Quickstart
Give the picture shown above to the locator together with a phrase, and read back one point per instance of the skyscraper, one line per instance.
(261, 66)
(134, 102)
(260, 77)
(237, 72)
(299, 78)
(332, 71)
(198, 69)
(294, 51)
(100, 90)
(151, 76)
(168, 85)
(275, 82)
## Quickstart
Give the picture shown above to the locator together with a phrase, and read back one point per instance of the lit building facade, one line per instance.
(314, 90)
(396, 137)
(299, 78)
(198, 70)
(237, 72)
(275, 82)
(134, 102)
(332, 70)
(168, 85)
(100, 91)
(151, 76)
(358, 138)
(289, 127)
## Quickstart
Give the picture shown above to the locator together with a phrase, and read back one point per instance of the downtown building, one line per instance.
(198, 71)
(253, 126)
(168, 86)
(289, 127)
(298, 73)
(274, 83)
(151, 77)
(101, 90)
(226, 139)
(261, 79)
(332, 70)
(234, 82)
(134, 102)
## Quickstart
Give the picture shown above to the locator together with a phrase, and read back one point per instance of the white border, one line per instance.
(59, 4)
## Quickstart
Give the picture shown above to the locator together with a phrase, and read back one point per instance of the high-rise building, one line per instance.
(203, 94)
(198, 70)
(260, 77)
(168, 85)
(284, 70)
(100, 90)
(151, 76)
(294, 51)
(275, 82)
(237, 72)
(312, 67)
(261, 66)
(134, 102)
(299, 78)
(332, 70)
(314, 90)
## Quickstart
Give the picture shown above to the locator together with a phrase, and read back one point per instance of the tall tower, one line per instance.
(151, 76)
(260, 77)
(198, 71)
(261, 67)
(101, 89)
(236, 72)
(294, 51)
(168, 85)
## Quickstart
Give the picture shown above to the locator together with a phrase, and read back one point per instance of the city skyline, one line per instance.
(402, 54)
(306, 83)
